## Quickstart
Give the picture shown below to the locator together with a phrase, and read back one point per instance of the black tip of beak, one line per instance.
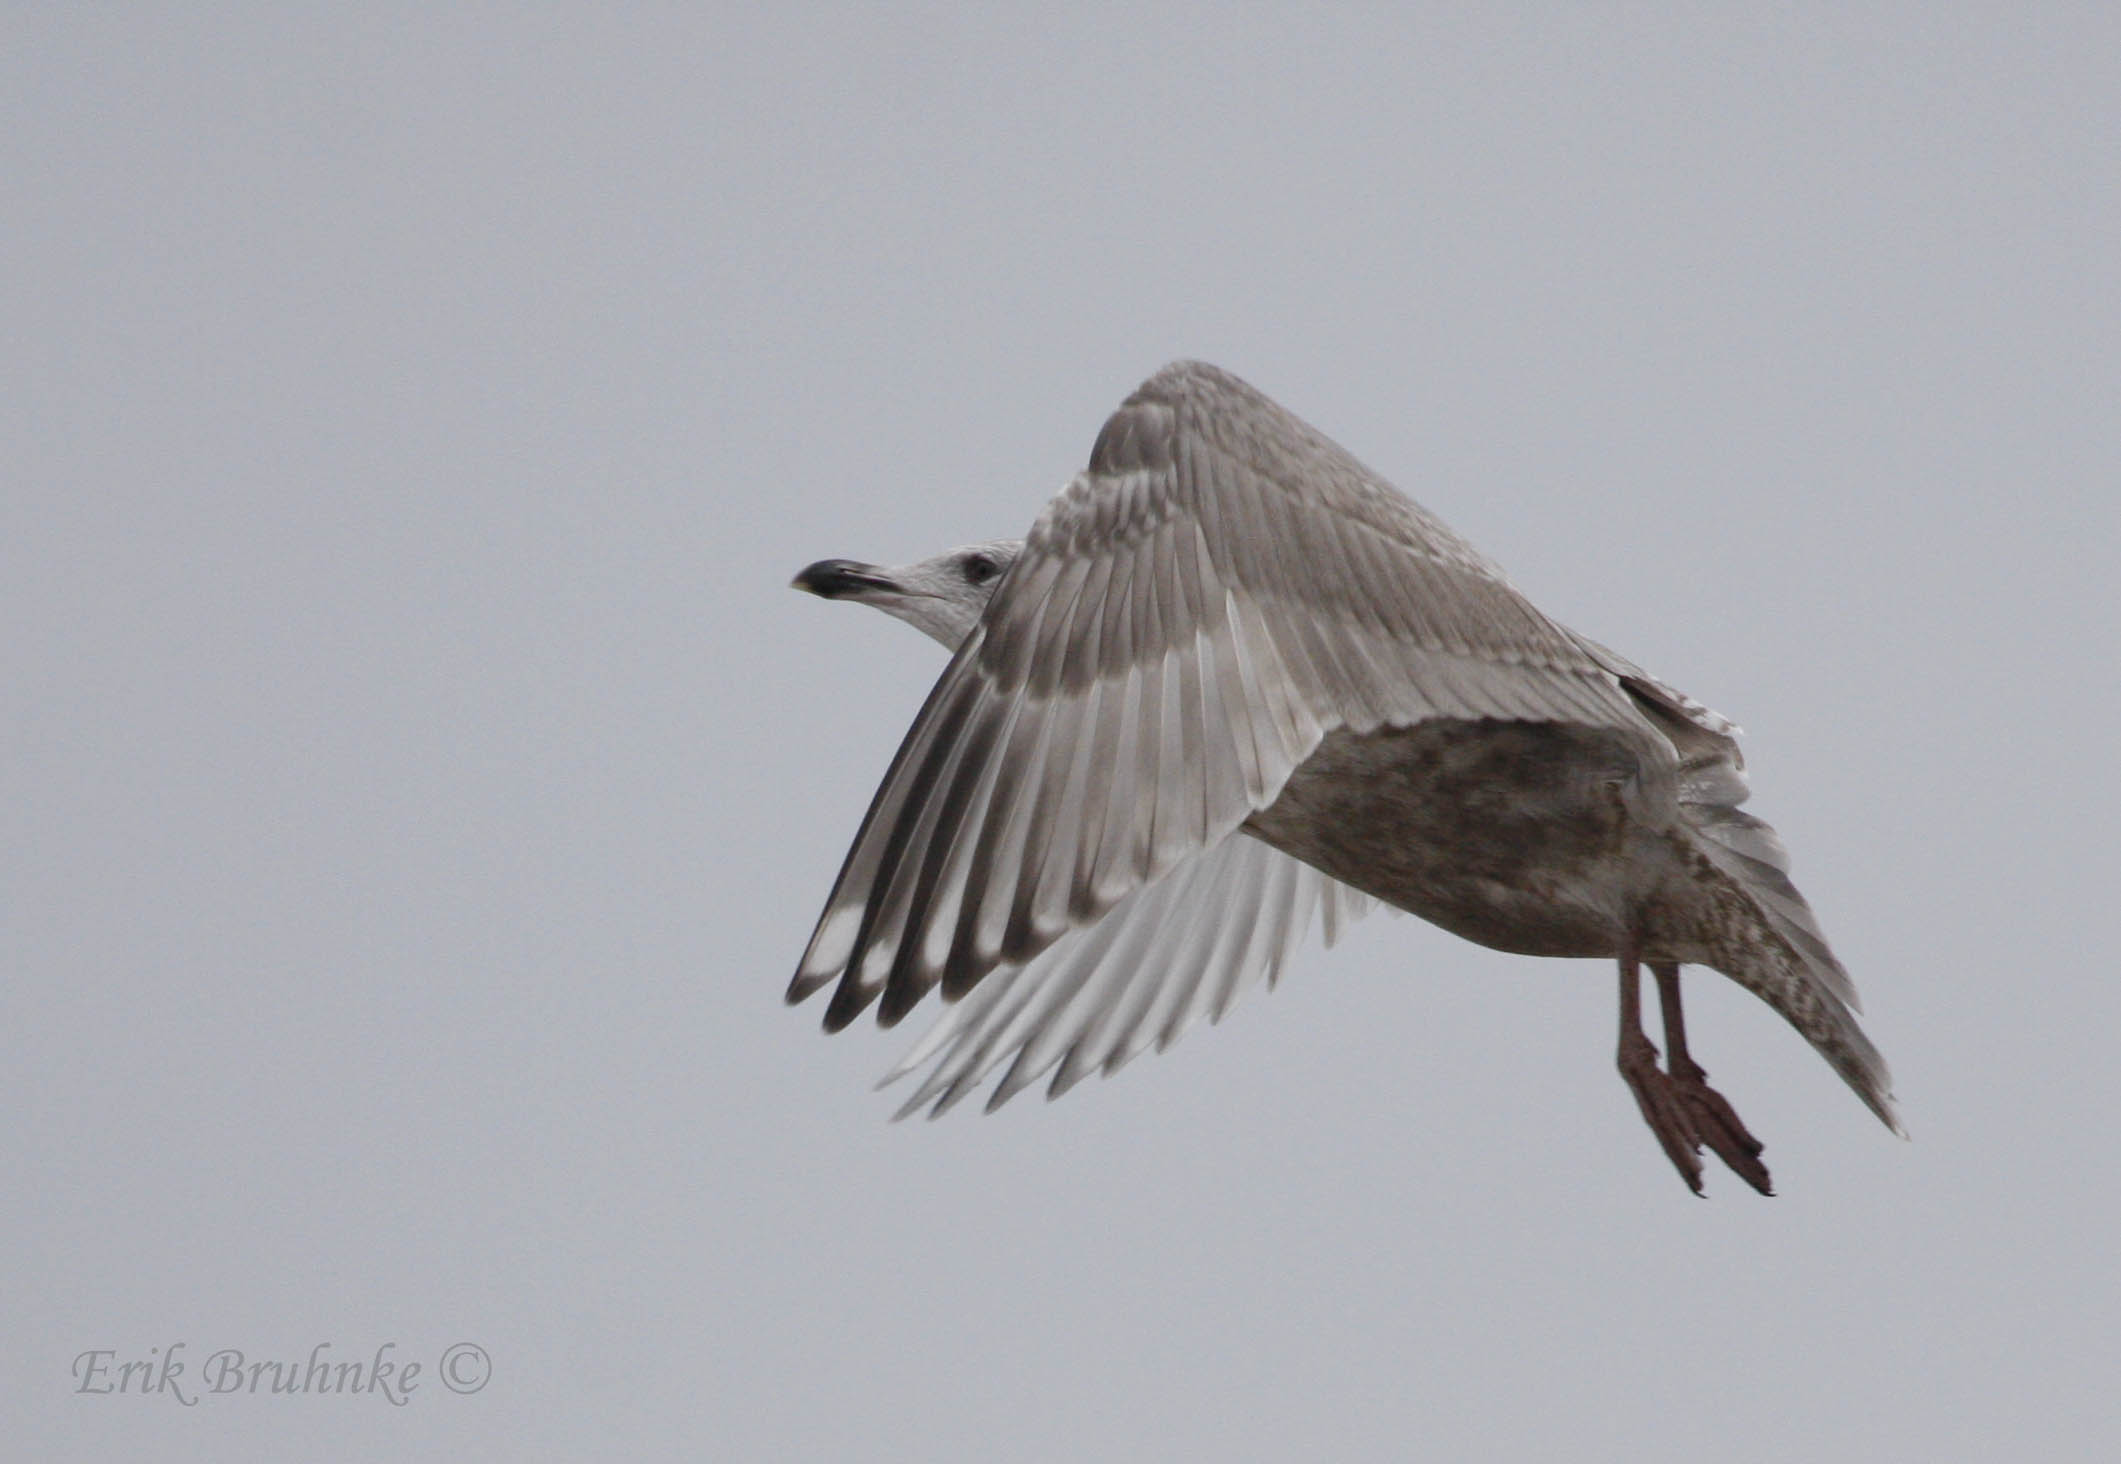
(835, 579)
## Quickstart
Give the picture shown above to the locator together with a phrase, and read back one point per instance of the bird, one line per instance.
(1232, 678)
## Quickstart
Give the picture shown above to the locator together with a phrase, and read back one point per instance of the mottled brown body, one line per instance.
(1538, 838)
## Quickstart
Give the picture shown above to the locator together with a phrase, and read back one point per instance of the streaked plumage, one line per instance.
(1227, 627)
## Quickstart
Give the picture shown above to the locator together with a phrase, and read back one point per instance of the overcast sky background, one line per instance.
(419, 783)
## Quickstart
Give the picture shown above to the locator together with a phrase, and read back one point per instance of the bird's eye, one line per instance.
(979, 568)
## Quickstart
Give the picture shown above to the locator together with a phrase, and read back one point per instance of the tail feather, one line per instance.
(1769, 942)
(1761, 932)
(1749, 851)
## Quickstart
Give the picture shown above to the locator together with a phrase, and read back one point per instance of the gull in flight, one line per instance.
(1234, 681)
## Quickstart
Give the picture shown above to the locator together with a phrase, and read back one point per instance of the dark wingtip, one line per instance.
(902, 993)
(848, 1002)
(962, 970)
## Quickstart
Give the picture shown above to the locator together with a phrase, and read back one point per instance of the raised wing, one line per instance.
(1189, 945)
(1221, 587)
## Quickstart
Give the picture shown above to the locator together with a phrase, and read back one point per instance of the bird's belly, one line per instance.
(1522, 836)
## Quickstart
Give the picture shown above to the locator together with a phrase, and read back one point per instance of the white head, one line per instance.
(941, 597)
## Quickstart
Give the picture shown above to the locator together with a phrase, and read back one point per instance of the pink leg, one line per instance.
(1709, 1116)
(1653, 1090)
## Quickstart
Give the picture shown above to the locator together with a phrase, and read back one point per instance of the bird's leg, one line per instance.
(1654, 1092)
(1708, 1114)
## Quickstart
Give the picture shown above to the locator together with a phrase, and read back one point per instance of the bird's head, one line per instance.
(942, 597)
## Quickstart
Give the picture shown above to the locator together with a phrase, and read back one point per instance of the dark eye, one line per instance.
(979, 568)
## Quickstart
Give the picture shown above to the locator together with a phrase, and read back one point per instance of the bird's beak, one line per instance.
(840, 579)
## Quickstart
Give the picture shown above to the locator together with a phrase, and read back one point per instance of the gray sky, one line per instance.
(418, 783)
